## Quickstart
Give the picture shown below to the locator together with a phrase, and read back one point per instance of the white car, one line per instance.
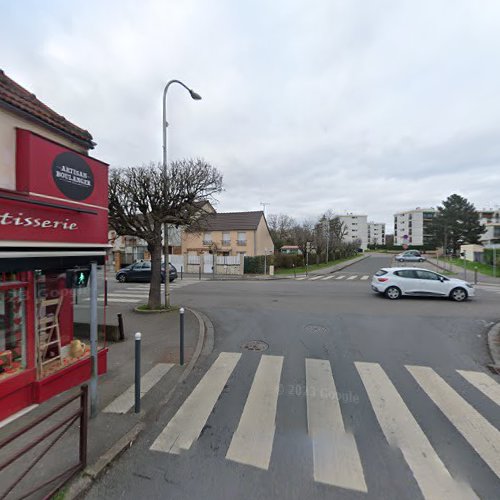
(394, 282)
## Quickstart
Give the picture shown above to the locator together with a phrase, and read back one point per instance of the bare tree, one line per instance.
(280, 227)
(138, 206)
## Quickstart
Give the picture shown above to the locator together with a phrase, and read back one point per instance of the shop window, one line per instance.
(63, 321)
(12, 329)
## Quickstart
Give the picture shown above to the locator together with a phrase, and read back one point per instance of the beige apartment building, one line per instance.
(230, 234)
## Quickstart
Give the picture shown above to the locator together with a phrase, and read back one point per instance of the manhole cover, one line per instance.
(255, 345)
(316, 329)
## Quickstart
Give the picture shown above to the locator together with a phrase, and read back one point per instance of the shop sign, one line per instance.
(73, 176)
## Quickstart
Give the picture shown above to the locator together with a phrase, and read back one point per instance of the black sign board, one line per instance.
(77, 277)
(73, 176)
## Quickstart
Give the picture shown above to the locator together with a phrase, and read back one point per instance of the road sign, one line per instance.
(405, 247)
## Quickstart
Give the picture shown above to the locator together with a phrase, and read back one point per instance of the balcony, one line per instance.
(241, 243)
(207, 242)
(226, 243)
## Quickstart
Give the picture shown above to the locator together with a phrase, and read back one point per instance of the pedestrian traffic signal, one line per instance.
(77, 278)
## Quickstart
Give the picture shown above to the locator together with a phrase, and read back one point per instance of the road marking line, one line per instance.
(353, 277)
(402, 431)
(365, 277)
(101, 299)
(186, 425)
(315, 278)
(126, 400)
(327, 278)
(125, 295)
(480, 434)
(340, 277)
(484, 383)
(252, 443)
(335, 454)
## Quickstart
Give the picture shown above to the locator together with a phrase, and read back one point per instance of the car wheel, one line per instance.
(393, 293)
(458, 294)
(122, 278)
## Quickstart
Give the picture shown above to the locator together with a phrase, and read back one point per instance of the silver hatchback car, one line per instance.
(410, 256)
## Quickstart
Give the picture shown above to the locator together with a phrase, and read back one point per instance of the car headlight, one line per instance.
(470, 285)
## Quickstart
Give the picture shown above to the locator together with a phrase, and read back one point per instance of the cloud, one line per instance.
(369, 107)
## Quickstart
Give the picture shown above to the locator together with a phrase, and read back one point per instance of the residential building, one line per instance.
(491, 220)
(412, 227)
(230, 234)
(355, 228)
(291, 250)
(54, 222)
(128, 249)
(376, 233)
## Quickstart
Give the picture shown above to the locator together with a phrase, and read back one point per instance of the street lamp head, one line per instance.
(194, 95)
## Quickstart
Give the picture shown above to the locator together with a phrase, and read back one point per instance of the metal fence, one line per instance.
(19, 479)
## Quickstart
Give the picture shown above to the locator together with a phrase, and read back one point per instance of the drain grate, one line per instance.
(255, 345)
(316, 329)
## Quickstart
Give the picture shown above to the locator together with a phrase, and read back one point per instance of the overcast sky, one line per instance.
(351, 105)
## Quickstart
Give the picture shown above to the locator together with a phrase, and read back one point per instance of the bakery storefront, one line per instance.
(53, 227)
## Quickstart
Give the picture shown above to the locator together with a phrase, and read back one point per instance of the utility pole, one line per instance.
(264, 205)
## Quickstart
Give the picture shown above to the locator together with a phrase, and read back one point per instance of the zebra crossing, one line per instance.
(336, 454)
(335, 277)
(134, 293)
(489, 288)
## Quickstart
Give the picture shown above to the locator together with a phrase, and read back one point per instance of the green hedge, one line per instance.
(399, 248)
(254, 265)
(488, 256)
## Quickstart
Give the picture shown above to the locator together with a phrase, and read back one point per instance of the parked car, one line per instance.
(410, 256)
(141, 271)
(394, 282)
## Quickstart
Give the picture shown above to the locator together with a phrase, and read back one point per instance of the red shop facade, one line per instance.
(52, 227)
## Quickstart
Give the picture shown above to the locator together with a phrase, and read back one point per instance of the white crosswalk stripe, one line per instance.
(484, 383)
(327, 278)
(252, 442)
(126, 400)
(482, 436)
(402, 431)
(339, 277)
(315, 278)
(336, 454)
(188, 422)
(353, 277)
(365, 277)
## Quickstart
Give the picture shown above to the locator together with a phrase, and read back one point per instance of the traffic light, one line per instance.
(77, 278)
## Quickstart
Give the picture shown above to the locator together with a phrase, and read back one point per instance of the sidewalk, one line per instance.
(482, 279)
(110, 433)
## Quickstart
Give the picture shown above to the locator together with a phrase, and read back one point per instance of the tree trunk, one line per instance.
(154, 301)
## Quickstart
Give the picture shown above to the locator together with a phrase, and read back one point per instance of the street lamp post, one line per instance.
(196, 97)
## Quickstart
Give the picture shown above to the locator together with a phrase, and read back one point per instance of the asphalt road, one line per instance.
(392, 419)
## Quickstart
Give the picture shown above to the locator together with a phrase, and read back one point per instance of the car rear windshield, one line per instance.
(380, 273)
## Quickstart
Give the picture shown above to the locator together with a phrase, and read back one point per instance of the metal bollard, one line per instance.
(105, 292)
(137, 408)
(181, 273)
(120, 327)
(475, 275)
(294, 272)
(199, 272)
(181, 340)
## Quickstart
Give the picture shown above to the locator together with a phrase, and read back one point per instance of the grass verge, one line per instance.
(144, 308)
(485, 269)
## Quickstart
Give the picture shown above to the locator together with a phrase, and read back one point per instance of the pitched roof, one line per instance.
(17, 99)
(232, 221)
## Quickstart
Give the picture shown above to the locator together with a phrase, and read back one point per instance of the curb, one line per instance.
(494, 348)
(81, 484)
